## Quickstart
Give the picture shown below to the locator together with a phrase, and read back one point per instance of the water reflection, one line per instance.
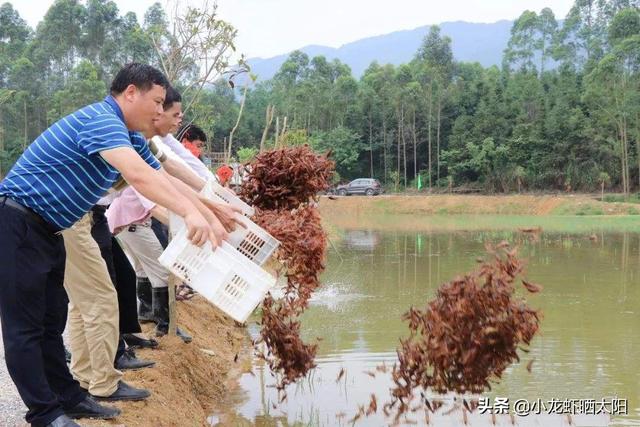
(362, 240)
(587, 349)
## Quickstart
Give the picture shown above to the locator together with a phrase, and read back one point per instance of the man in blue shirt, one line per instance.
(54, 183)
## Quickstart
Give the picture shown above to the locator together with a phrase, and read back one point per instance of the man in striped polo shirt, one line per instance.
(54, 183)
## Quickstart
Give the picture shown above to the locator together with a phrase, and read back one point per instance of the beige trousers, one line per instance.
(143, 249)
(93, 323)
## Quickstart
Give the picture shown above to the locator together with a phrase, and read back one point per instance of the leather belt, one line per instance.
(9, 202)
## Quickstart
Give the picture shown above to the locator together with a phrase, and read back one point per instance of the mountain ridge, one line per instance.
(470, 42)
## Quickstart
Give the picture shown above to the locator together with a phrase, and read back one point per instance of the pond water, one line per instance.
(588, 347)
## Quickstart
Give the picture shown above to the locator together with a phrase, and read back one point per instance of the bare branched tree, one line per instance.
(194, 52)
(197, 49)
(244, 98)
(268, 120)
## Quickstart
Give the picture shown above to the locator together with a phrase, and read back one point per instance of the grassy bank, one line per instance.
(573, 213)
(525, 204)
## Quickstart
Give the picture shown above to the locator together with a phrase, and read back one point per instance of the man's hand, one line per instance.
(199, 230)
(227, 215)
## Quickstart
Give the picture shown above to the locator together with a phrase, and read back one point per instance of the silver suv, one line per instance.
(368, 186)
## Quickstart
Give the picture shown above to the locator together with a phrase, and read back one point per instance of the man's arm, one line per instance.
(161, 214)
(183, 173)
(220, 216)
(155, 186)
(175, 165)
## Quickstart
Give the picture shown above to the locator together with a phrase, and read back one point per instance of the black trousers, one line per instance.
(33, 312)
(122, 275)
(161, 231)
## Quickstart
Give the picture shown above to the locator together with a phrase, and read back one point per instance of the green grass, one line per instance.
(557, 223)
(566, 223)
(632, 198)
(589, 210)
(633, 211)
(578, 209)
(453, 210)
(512, 208)
(382, 204)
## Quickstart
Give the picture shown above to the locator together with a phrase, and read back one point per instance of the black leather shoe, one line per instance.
(89, 408)
(135, 341)
(63, 421)
(129, 362)
(125, 392)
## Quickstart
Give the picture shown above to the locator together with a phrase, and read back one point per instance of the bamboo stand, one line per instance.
(173, 282)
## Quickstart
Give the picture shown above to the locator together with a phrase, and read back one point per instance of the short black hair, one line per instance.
(191, 132)
(142, 76)
(172, 96)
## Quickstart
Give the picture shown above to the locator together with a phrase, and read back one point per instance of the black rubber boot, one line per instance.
(145, 310)
(161, 314)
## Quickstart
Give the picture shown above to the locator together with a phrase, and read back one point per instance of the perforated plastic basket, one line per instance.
(216, 192)
(225, 277)
(253, 242)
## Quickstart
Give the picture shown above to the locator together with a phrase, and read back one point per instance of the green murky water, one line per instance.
(589, 346)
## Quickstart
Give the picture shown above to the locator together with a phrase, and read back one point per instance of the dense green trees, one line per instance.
(561, 113)
(66, 62)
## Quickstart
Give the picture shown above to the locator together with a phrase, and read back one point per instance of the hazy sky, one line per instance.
(270, 27)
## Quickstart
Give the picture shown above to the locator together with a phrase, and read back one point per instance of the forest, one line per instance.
(562, 112)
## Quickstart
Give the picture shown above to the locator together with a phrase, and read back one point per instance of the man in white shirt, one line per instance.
(176, 146)
(129, 218)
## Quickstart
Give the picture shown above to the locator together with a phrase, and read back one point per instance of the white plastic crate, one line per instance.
(216, 192)
(223, 276)
(253, 242)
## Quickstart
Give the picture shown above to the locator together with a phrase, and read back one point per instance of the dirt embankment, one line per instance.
(475, 205)
(188, 379)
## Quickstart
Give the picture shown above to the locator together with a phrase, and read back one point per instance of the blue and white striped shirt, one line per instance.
(62, 175)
